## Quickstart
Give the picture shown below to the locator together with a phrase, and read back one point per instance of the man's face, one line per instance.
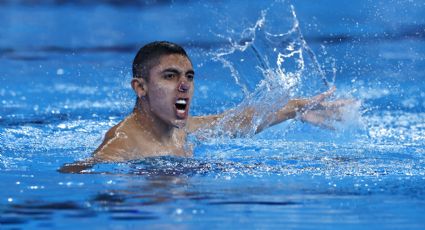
(170, 89)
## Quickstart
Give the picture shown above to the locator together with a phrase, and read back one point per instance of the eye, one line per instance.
(169, 76)
(190, 77)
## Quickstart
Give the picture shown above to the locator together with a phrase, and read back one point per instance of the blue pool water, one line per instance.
(64, 80)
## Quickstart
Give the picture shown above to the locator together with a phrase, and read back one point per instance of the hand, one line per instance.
(77, 167)
(325, 114)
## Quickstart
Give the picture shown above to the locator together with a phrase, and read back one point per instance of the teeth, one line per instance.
(181, 101)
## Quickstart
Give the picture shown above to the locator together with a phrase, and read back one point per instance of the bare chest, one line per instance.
(149, 147)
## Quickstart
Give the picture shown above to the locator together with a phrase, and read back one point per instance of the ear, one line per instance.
(139, 86)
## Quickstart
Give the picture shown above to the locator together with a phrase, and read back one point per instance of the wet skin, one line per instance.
(160, 121)
(156, 126)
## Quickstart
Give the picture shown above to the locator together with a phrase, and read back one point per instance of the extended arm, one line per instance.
(241, 121)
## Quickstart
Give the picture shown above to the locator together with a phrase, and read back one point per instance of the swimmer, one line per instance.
(163, 81)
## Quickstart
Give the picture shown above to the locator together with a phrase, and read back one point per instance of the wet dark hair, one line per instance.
(149, 55)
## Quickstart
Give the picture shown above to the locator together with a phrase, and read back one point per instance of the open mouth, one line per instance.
(181, 105)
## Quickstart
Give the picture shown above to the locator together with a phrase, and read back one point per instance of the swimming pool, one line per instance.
(65, 69)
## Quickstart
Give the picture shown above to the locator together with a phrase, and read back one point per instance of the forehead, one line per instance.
(176, 61)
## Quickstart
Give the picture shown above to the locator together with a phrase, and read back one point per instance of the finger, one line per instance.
(318, 119)
(323, 96)
(339, 103)
(323, 115)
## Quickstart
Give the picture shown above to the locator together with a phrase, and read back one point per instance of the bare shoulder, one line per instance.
(116, 143)
(200, 122)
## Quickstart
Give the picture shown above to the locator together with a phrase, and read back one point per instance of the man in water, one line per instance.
(163, 81)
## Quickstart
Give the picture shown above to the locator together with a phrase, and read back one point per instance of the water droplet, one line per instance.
(60, 71)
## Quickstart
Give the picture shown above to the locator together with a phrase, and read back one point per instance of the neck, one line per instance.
(151, 124)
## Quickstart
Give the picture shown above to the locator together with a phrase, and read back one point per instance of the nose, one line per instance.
(183, 87)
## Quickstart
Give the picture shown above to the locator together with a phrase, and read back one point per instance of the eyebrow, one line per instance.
(176, 71)
(190, 72)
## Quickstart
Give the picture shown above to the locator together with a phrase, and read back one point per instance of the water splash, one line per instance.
(278, 56)
(270, 66)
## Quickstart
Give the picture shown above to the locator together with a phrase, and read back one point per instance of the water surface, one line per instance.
(64, 80)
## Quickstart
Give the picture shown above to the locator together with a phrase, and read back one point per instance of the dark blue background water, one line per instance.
(64, 80)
